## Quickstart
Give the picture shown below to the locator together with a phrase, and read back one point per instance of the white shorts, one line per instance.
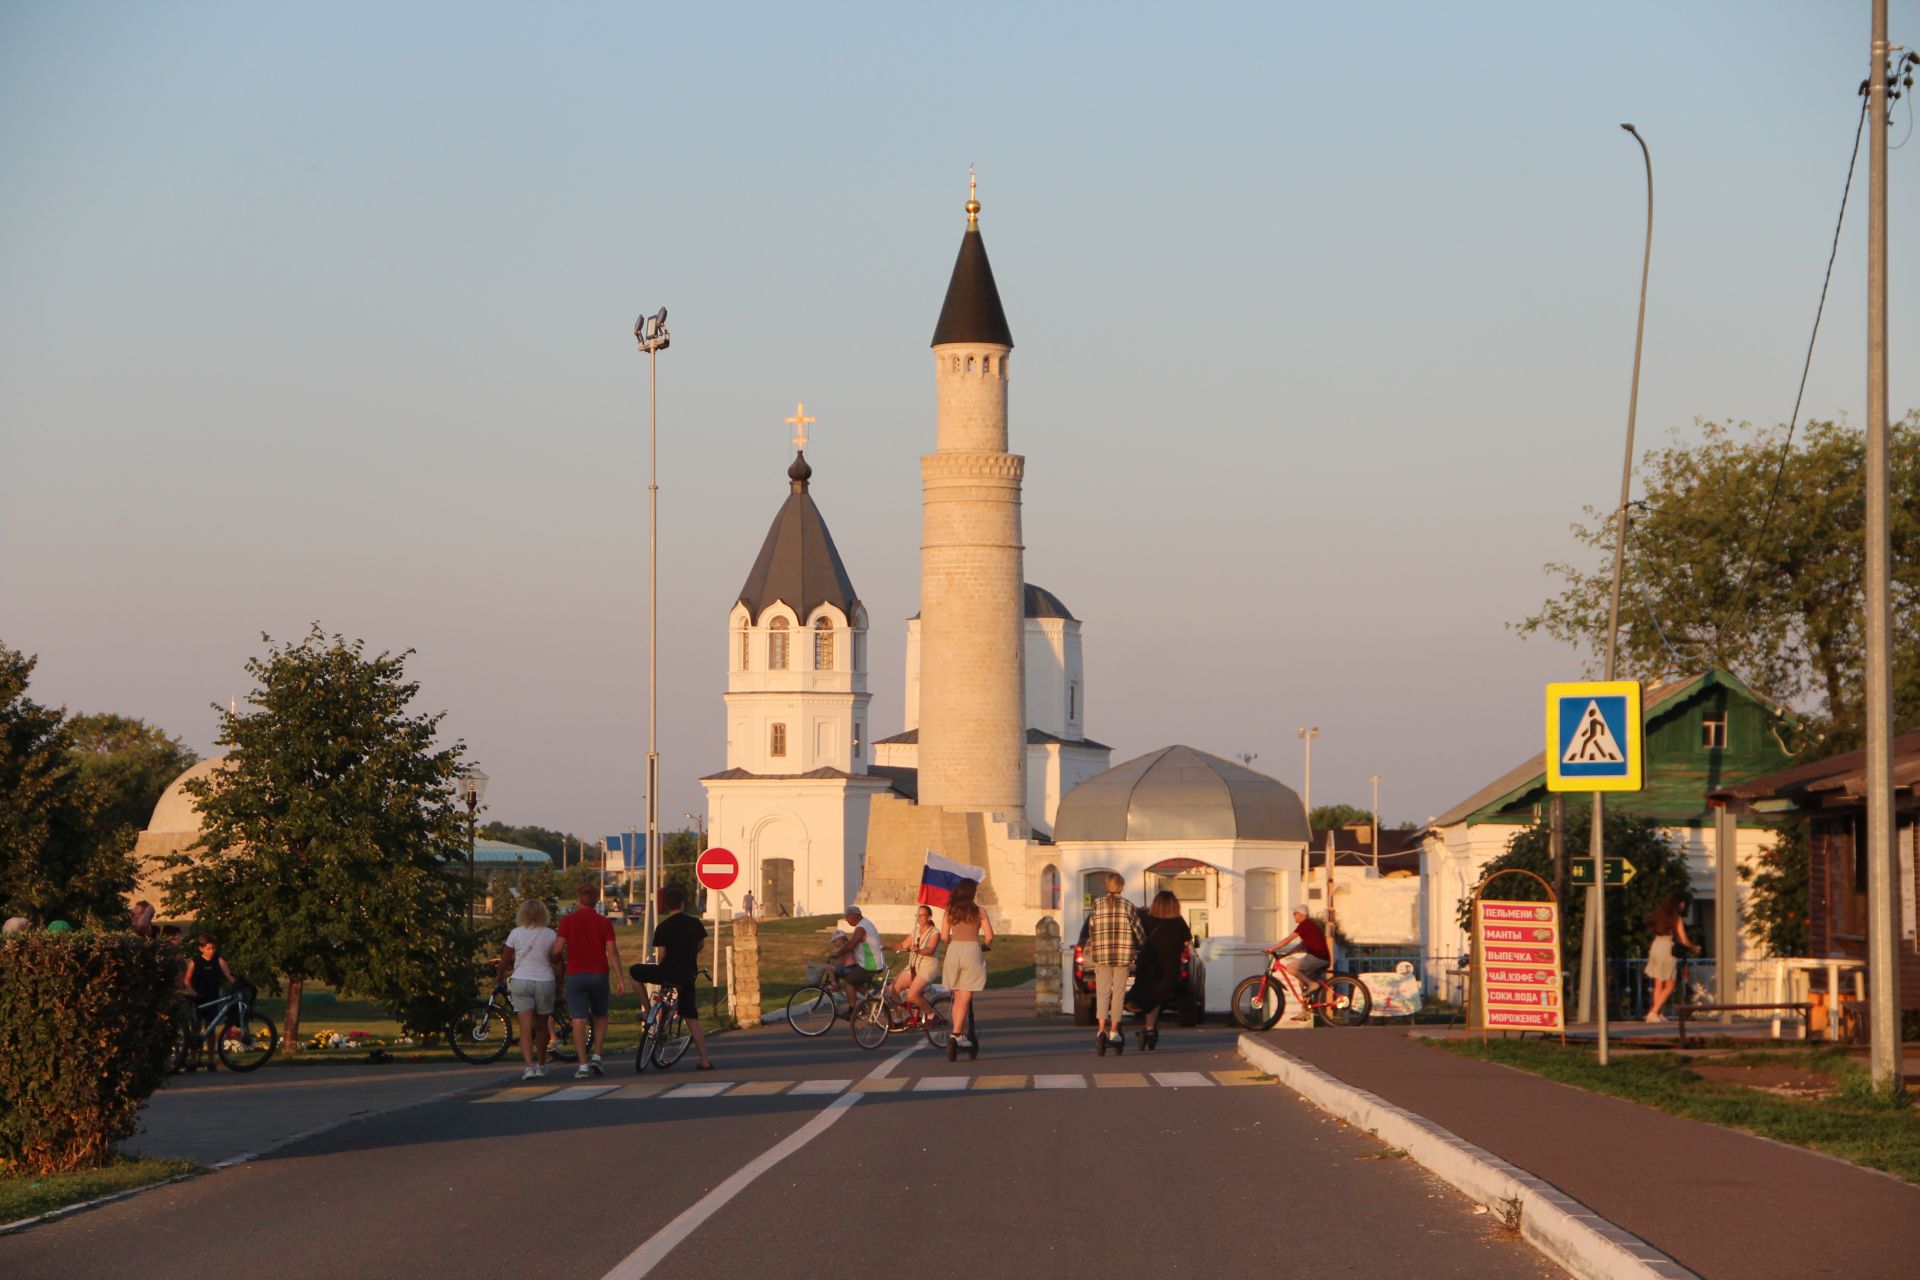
(531, 995)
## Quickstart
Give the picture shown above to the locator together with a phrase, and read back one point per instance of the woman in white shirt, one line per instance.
(529, 954)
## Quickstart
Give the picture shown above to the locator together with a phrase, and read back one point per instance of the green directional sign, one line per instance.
(1619, 872)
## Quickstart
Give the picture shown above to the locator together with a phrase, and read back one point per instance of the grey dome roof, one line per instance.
(798, 563)
(1042, 603)
(1177, 793)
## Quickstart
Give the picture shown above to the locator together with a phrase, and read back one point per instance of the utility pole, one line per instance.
(651, 333)
(1307, 735)
(1374, 778)
(1883, 971)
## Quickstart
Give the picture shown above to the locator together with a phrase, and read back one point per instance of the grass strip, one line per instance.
(1854, 1123)
(28, 1196)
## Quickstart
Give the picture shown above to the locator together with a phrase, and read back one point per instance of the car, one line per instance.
(1189, 1002)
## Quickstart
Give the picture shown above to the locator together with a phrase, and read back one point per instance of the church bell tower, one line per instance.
(972, 741)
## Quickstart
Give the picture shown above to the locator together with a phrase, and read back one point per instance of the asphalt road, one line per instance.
(1136, 1165)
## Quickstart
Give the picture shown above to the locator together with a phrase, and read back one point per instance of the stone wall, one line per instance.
(743, 991)
(1047, 967)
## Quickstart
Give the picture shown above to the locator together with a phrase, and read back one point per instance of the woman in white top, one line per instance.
(921, 946)
(529, 954)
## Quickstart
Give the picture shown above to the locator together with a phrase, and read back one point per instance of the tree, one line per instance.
(1327, 817)
(132, 762)
(1776, 909)
(56, 865)
(332, 848)
(1713, 577)
(555, 844)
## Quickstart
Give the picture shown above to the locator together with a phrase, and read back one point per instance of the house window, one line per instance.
(777, 743)
(1713, 730)
(823, 645)
(777, 645)
(746, 638)
(859, 732)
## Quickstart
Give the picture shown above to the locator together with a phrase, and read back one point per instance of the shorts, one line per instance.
(587, 995)
(858, 976)
(531, 995)
(927, 967)
(966, 967)
(660, 975)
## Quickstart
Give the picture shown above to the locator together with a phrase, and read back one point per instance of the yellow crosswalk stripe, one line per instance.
(887, 1084)
(1000, 1082)
(1120, 1080)
(760, 1088)
(519, 1093)
(648, 1089)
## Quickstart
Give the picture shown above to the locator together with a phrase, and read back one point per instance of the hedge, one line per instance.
(86, 1034)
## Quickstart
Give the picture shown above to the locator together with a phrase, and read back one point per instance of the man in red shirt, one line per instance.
(590, 953)
(1310, 957)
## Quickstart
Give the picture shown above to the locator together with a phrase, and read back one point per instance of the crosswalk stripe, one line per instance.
(576, 1093)
(811, 1087)
(702, 1089)
(1000, 1082)
(886, 1084)
(759, 1088)
(519, 1093)
(941, 1084)
(1120, 1080)
(1238, 1077)
(1181, 1080)
(648, 1089)
(1059, 1082)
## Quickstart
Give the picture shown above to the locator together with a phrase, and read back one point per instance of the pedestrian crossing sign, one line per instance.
(1594, 740)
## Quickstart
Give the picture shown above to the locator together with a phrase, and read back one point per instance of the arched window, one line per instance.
(1050, 888)
(746, 638)
(859, 651)
(777, 645)
(823, 644)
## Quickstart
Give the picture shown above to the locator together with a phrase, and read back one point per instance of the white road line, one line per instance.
(643, 1260)
(809, 1087)
(1059, 1082)
(1181, 1080)
(577, 1093)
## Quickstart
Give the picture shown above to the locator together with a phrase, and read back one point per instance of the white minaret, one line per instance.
(972, 751)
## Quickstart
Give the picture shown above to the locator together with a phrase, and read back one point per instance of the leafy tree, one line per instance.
(1789, 626)
(1776, 909)
(132, 762)
(1326, 817)
(1660, 869)
(57, 866)
(328, 842)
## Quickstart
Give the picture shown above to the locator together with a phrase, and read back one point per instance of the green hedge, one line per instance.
(86, 1034)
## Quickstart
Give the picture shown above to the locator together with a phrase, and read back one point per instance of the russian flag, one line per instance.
(939, 876)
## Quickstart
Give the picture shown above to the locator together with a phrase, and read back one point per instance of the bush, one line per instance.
(86, 1034)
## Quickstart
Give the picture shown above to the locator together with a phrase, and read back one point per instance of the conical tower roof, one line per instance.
(972, 311)
(798, 563)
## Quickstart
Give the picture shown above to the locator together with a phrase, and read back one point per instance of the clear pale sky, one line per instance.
(1324, 319)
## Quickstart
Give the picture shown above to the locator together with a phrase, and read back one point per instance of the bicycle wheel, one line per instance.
(186, 1024)
(245, 1044)
(481, 1034)
(810, 1011)
(671, 1041)
(1344, 1001)
(869, 1021)
(940, 1028)
(1255, 1010)
(643, 1056)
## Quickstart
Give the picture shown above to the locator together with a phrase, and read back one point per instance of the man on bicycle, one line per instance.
(677, 941)
(859, 956)
(1309, 956)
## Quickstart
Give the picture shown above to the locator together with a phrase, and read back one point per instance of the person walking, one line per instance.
(1669, 931)
(677, 941)
(746, 904)
(590, 954)
(528, 955)
(968, 932)
(1158, 978)
(1113, 939)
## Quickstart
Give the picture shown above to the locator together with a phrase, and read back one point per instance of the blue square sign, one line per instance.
(1594, 739)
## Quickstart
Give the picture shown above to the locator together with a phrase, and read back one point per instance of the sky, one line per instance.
(1323, 316)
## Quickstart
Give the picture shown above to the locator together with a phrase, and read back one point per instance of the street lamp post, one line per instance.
(1307, 735)
(651, 333)
(472, 784)
(1374, 778)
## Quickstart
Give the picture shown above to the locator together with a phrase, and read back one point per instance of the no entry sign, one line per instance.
(717, 869)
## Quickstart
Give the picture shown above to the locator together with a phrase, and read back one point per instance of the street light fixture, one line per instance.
(651, 333)
(471, 785)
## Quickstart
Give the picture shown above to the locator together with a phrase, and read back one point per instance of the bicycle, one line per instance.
(886, 1013)
(1342, 999)
(663, 1031)
(486, 1029)
(230, 1027)
(812, 1009)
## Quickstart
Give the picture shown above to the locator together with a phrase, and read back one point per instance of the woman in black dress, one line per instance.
(1158, 966)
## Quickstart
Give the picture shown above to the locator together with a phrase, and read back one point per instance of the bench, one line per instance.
(1681, 1012)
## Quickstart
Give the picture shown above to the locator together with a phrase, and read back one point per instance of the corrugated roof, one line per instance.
(798, 564)
(972, 311)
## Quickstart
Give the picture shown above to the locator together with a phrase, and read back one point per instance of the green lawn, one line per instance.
(1850, 1121)
(24, 1196)
(786, 948)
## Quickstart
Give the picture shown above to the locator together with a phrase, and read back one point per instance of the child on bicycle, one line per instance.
(201, 980)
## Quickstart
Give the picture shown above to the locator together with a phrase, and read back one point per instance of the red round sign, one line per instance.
(717, 868)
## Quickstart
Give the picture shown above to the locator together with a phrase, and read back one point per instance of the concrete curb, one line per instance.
(1552, 1221)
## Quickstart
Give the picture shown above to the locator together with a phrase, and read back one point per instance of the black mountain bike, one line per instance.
(486, 1029)
(242, 1036)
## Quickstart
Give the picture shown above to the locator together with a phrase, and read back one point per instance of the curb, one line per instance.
(1566, 1231)
(68, 1210)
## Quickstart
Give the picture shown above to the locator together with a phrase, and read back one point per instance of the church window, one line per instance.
(823, 645)
(1713, 730)
(777, 645)
(986, 364)
(969, 364)
(859, 732)
(746, 638)
(1050, 888)
(777, 741)
(859, 651)
(1073, 699)
(956, 364)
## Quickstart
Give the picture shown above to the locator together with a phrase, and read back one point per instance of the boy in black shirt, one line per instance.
(677, 941)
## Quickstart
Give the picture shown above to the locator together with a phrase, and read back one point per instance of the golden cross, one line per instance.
(800, 422)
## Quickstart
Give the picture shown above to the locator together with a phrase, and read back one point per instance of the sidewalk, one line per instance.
(1722, 1203)
(210, 1117)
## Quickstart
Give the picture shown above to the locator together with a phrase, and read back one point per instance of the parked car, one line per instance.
(1188, 1003)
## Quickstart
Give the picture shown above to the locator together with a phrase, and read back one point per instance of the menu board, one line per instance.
(1518, 945)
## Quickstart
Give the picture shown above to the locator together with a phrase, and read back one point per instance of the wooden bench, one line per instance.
(1681, 1012)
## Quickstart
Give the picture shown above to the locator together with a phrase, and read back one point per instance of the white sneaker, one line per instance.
(540, 1072)
(594, 1066)
(531, 1073)
(583, 1072)
(1653, 1017)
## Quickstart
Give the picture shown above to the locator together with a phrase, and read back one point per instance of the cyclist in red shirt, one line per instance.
(1309, 957)
(590, 953)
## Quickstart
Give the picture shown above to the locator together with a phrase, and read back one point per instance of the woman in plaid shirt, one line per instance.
(1113, 938)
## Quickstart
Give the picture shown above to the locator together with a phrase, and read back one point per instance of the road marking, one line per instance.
(1181, 1080)
(1000, 1082)
(810, 1087)
(519, 1093)
(643, 1090)
(1241, 1077)
(893, 1084)
(1120, 1080)
(1059, 1082)
(760, 1088)
(941, 1084)
(702, 1089)
(577, 1093)
(643, 1260)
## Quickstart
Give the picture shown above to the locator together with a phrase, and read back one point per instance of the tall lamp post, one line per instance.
(1374, 778)
(1307, 735)
(651, 333)
(472, 784)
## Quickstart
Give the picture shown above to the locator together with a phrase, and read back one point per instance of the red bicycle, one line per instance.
(1332, 998)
